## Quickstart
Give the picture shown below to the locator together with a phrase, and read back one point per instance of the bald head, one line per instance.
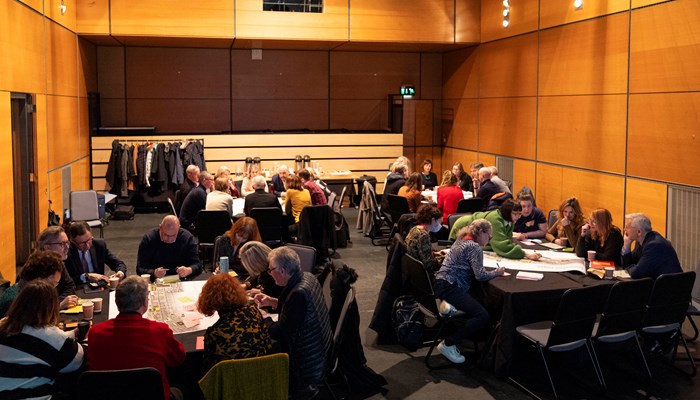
(169, 228)
(484, 174)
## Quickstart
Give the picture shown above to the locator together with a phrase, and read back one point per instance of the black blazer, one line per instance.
(260, 199)
(99, 255)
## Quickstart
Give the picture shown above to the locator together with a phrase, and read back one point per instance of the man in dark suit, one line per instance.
(486, 188)
(191, 181)
(260, 198)
(653, 254)
(87, 256)
(195, 201)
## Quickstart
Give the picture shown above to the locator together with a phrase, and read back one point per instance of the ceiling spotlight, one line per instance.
(578, 4)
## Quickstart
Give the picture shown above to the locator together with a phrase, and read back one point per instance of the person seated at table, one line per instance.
(34, 351)
(411, 191)
(297, 198)
(168, 250)
(247, 185)
(653, 255)
(486, 188)
(219, 199)
(44, 265)
(428, 219)
(429, 178)
(196, 201)
(303, 328)
(318, 197)
(600, 235)
(394, 181)
(464, 181)
(567, 229)
(500, 183)
(225, 172)
(502, 221)
(240, 331)
(229, 245)
(260, 198)
(54, 238)
(474, 173)
(131, 341)
(191, 181)
(449, 195)
(401, 161)
(453, 281)
(279, 179)
(88, 256)
(254, 256)
(532, 223)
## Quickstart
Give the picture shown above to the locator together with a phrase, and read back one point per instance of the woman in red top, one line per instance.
(448, 195)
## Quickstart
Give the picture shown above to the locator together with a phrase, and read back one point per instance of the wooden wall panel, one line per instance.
(113, 112)
(418, 122)
(460, 74)
(92, 17)
(665, 48)
(42, 161)
(111, 72)
(212, 18)
(460, 123)
(61, 60)
(583, 131)
(358, 114)
(650, 198)
(573, 61)
(451, 156)
(280, 75)
(523, 175)
(177, 73)
(644, 3)
(62, 132)
(508, 126)
(467, 21)
(82, 139)
(548, 189)
(38, 5)
(56, 192)
(430, 85)
(179, 115)
(22, 39)
(53, 11)
(486, 159)
(87, 67)
(253, 23)
(80, 174)
(355, 75)
(523, 19)
(663, 137)
(279, 114)
(7, 202)
(595, 190)
(392, 20)
(556, 12)
(509, 67)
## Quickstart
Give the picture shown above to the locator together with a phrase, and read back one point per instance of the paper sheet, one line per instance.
(551, 261)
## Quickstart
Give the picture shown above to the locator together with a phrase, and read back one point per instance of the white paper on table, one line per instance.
(552, 246)
(527, 242)
(551, 261)
(621, 273)
(529, 276)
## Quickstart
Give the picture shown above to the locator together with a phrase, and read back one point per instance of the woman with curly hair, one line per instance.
(566, 231)
(240, 331)
(229, 244)
(600, 235)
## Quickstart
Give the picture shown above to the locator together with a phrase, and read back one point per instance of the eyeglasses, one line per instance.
(269, 270)
(84, 242)
(62, 244)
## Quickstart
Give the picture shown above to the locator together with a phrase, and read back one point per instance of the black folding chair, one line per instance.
(132, 384)
(469, 205)
(269, 220)
(552, 217)
(398, 206)
(693, 311)
(667, 308)
(570, 330)
(210, 224)
(622, 316)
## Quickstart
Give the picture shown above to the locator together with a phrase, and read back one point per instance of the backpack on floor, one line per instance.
(409, 322)
(123, 213)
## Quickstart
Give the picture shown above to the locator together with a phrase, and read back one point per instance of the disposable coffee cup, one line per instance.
(223, 264)
(609, 271)
(146, 277)
(88, 309)
(113, 283)
(98, 304)
(83, 328)
(591, 255)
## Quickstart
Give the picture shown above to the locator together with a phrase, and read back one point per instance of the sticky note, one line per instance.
(199, 345)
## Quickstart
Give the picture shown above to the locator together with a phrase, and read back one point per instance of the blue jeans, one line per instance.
(476, 317)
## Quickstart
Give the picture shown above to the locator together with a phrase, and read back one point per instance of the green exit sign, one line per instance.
(408, 90)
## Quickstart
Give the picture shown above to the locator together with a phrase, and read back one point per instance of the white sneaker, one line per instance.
(450, 352)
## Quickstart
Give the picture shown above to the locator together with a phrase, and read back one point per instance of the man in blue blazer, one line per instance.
(653, 254)
(87, 257)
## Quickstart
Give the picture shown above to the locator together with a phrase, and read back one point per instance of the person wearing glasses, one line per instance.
(54, 239)
(463, 264)
(87, 257)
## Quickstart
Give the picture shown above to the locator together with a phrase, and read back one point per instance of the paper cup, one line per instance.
(98, 304)
(83, 328)
(88, 309)
(113, 283)
(591, 255)
(146, 277)
(609, 272)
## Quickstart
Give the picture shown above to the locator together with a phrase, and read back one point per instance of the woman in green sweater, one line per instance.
(502, 221)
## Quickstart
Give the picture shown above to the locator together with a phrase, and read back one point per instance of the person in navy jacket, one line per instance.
(653, 254)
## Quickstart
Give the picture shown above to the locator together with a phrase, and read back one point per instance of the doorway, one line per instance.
(24, 173)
